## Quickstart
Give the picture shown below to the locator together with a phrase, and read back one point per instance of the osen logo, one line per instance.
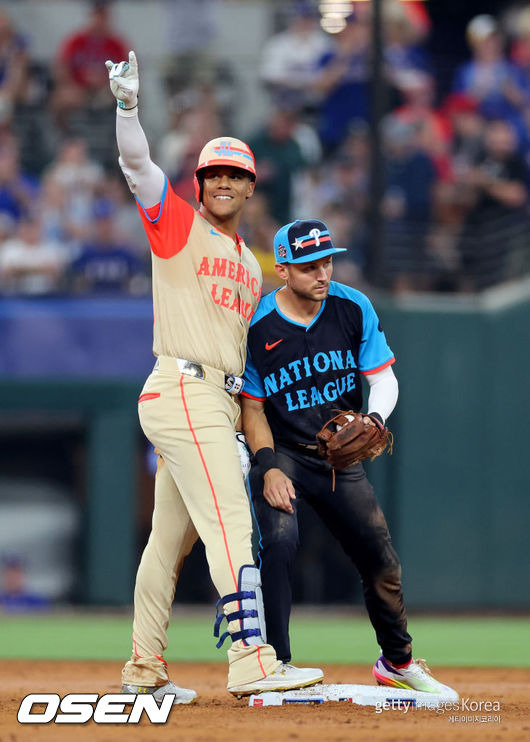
(78, 708)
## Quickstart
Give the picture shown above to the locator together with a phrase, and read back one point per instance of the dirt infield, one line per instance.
(218, 716)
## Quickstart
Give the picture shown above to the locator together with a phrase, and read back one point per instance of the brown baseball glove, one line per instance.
(347, 439)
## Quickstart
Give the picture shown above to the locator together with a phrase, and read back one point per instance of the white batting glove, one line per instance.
(244, 454)
(124, 82)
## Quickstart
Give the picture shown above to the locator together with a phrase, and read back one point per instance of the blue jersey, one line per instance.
(305, 373)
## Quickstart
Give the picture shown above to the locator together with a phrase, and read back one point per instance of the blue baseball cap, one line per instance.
(302, 241)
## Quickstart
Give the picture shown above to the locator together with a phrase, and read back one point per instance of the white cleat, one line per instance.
(416, 676)
(182, 695)
(285, 677)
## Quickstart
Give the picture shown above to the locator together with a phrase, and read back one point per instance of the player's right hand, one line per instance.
(278, 490)
(124, 81)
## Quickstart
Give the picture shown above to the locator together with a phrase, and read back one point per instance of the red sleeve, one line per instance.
(168, 223)
(251, 396)
(379, 368)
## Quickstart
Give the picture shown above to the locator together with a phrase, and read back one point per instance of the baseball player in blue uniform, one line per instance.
(308, 345)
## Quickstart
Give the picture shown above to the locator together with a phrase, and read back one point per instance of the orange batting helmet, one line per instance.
(224, 151)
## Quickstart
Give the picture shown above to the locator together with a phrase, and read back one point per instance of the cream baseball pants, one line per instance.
(199, 493)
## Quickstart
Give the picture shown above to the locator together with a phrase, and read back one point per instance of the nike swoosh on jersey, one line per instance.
(212, 231)
(270, 346)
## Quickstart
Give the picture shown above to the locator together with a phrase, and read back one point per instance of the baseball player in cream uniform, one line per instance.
(206, 287)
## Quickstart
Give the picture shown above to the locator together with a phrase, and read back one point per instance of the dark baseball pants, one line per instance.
(354, 517)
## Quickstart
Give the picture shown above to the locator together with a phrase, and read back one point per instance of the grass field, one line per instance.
(318, 638)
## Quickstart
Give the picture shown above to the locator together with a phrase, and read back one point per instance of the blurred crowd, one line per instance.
(454, 208)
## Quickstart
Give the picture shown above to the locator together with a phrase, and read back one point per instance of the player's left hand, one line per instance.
(124, 81)
(351, 437)
(244, 454)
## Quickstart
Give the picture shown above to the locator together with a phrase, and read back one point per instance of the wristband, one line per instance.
(266, 459)
(125, 112)
(121, 104)
(376, 417)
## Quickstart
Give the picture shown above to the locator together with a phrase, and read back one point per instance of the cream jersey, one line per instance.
(206, 286)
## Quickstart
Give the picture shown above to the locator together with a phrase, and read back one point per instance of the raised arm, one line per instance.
(145, 179)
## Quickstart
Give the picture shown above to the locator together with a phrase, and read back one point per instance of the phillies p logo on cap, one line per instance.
(302, 241)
